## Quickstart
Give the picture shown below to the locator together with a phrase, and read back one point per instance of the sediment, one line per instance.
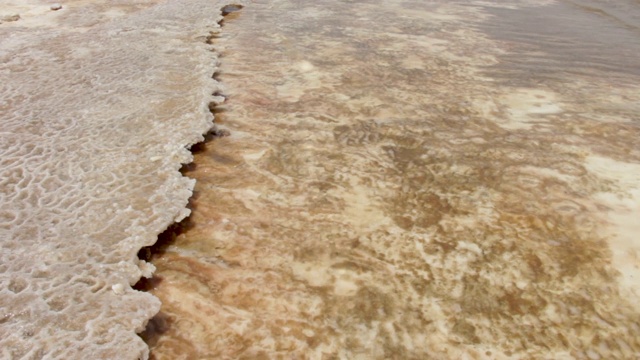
(398, 184)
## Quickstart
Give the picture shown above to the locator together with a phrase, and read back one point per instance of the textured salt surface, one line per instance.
(99, 103)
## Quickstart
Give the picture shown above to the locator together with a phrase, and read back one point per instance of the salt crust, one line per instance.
(96, 118)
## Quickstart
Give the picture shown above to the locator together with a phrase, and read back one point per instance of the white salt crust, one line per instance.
(97, 114)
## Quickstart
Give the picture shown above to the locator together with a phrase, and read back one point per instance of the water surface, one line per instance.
(413, 180)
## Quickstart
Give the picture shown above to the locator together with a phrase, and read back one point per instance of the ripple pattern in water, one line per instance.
(386, 194)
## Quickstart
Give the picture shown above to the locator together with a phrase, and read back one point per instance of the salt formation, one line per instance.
(98, 108)
(9, 18)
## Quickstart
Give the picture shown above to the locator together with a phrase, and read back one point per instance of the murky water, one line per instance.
(414, 180)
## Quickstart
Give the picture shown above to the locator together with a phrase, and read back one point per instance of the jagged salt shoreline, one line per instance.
(98, 108)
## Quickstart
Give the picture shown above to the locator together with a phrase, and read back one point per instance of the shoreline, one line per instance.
(390, 180)
(96, 128)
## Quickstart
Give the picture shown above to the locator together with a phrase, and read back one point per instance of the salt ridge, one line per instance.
(99, 105)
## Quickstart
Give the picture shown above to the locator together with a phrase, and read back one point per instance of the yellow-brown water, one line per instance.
(414, 180)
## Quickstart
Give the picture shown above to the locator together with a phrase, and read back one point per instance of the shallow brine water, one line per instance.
(414, 180)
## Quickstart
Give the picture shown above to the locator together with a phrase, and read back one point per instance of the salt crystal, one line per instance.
(118, 289)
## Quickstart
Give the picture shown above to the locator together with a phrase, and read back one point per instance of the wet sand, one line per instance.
(413, 180)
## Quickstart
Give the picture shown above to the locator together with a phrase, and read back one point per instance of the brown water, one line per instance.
(414, 180)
